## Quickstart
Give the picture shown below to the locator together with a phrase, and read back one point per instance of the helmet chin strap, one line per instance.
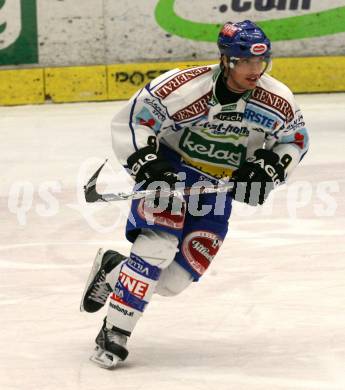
(226, 69)
(269, 67)
(226, 73)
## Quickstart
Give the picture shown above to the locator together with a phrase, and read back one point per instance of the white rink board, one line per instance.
(269, 314)
(113, 31)
(94, 32)
(108, 32)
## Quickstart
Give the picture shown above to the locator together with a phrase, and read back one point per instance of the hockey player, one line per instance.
(199, 124)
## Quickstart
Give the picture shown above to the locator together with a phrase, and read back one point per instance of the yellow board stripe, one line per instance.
(121, 81)
(76, 84)
(21, 86)
(311, 74)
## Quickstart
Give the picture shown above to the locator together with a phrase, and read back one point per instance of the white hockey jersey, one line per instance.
(181, 108)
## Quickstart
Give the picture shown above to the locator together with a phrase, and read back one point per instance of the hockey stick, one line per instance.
(91, 194)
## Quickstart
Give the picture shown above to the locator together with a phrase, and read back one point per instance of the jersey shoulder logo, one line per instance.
(274, 101)
(194, 109)
(180, 79)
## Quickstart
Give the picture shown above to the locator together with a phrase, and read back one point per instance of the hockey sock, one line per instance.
(134, 288)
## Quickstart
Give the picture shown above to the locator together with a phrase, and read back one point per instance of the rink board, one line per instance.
(46, 33)
(76, 84)
(120, 81)
(21, 86)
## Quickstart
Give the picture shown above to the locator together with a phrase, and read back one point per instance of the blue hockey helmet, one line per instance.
(243, 39)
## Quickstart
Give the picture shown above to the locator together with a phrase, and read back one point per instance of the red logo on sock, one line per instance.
(134, 286)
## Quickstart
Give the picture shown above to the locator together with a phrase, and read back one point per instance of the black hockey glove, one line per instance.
(257, 177)
(148, 165)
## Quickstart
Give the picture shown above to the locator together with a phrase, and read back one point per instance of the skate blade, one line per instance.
(104, 358)
(95, 268)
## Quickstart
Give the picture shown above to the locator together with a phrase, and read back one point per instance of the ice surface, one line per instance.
(268, 315)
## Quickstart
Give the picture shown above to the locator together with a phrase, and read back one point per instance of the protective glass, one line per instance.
(251, 64)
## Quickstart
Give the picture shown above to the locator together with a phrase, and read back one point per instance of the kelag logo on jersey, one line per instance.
(18, 32)
(222, 153)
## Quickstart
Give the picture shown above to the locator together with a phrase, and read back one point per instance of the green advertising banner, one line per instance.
(18, 32)
(312, 25)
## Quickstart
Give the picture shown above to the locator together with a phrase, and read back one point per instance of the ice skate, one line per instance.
(110, 348)
(97, 289)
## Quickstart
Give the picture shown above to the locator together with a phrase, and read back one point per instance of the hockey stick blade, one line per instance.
(91, 194)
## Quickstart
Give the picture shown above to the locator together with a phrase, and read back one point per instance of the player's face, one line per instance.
(246, 73)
